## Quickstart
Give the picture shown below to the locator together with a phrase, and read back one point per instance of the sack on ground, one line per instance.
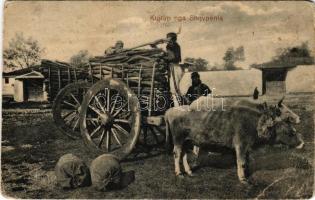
(72, 172)
(106, 172)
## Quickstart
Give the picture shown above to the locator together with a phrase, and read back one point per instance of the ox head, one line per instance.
(280, 112)
(285, 114)
(285, 133)
(277, 122)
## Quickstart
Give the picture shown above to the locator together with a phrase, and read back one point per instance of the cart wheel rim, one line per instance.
(101, 121)
(68, 121)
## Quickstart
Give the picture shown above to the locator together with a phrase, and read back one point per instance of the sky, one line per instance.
(64, 28)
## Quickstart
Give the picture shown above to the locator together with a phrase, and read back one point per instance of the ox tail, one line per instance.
(168, 137)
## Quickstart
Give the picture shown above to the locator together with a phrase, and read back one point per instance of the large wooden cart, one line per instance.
(111, 100)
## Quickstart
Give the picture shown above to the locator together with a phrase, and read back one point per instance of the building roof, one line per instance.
(32, 74)
(273, 66)
(21, 71)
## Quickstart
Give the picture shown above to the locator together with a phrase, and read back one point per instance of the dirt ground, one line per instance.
(32, 145)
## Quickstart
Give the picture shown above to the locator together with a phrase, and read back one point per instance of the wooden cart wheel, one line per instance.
(66, 108)
(110, 118)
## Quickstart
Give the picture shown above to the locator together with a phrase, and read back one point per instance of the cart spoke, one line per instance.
(68, 114)
(71, 119)
(93, 123)
(116, 136)
(95, 110)
(99, 103)
(119, 110)
(114, 105)
(121, 129)
(76, 100)
(102, 138)
(108, 98)
(122, 120)
(75, 124)
(92, 120)
(70, 104)
(108, 140)
(95, 131)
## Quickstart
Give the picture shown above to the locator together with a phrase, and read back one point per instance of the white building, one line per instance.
(227, 83)
(24, 85)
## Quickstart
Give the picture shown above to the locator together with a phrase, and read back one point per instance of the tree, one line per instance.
(22, 52)
(198, 64)
(297, 55)
(216, 67)
(80, 59)
(231, 56)
(290, 56)
(229, 59)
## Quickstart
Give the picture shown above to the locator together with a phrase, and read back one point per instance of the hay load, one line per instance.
(143, 70)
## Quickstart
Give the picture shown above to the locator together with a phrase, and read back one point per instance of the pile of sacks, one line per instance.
(105, 173)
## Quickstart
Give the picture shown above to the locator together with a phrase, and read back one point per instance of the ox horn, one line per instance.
(301, 145)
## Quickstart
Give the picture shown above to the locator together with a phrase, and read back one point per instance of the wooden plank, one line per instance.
(59, 79)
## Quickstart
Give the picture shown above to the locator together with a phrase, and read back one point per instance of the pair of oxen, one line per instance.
(242, 126)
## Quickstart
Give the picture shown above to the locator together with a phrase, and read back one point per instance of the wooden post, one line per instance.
(100, 71)
(139, 81)
(59, 79)
(91, 73)
(127, 79)
(75, 75)
(49, 79)
(122, 72)
(151, 90)
(69, 75)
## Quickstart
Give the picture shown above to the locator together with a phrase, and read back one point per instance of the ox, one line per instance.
(206, 103)
(238, 127)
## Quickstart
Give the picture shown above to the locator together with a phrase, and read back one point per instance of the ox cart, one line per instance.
(112, 100)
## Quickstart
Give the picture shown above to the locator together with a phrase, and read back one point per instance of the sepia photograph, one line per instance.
(158, 100)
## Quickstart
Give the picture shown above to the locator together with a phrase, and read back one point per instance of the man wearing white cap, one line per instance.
(116, 49)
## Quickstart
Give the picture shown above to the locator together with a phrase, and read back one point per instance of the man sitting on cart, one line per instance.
(119, 46)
